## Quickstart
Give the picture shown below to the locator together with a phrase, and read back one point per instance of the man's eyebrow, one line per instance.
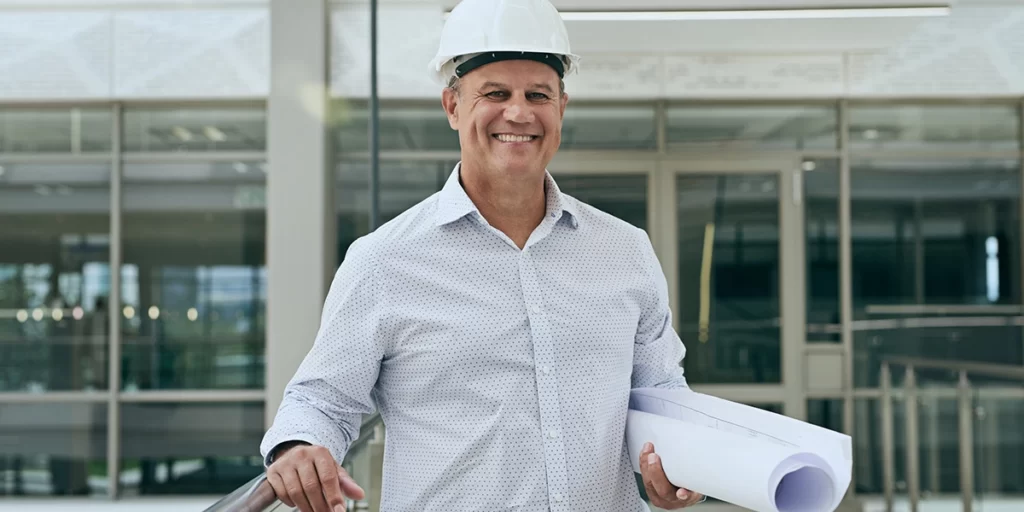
(499, 85)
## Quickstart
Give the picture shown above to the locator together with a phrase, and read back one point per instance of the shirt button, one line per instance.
(552, 434)
(558, 498)
(535, 309)
(546, 370)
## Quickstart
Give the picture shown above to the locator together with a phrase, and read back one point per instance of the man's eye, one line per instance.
(496, 94)
(537, 96)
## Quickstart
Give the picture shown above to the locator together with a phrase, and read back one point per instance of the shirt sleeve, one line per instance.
(324, 401)
(657, 352)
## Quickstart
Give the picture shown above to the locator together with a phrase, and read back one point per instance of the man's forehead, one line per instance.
(516, 73)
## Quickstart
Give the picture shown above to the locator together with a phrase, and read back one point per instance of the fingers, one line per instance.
(330, 482)
(311, 487)
(661, 492)
(279, 486)
(656, 475)
(294, 491)
(349, 486)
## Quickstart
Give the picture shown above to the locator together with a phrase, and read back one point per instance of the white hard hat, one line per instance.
(479, 32)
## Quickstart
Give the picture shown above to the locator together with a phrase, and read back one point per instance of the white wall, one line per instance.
(152, 49)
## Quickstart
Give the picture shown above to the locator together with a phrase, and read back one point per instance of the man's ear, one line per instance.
(450, 102)
(565, 101)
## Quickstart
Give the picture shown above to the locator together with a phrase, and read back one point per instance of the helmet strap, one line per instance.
(553, 60)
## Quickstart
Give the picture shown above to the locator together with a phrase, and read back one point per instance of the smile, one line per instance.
(505, 137)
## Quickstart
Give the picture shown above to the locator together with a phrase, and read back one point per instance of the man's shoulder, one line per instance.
(399, 231)
(599, 220)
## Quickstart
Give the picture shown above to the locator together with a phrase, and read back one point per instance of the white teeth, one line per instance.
(515, 138)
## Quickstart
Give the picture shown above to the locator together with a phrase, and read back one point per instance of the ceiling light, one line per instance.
(214, 134)
(182, 133)
(756, 14)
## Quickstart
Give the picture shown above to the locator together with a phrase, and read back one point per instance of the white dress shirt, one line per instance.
(502, 375)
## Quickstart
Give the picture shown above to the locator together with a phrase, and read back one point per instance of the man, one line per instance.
(499, 325)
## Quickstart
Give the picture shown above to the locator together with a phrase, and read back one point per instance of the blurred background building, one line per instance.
(179, 179)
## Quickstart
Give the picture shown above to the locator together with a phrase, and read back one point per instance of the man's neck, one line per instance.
(513, 206)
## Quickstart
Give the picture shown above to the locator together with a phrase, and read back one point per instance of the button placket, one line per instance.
(547, 385)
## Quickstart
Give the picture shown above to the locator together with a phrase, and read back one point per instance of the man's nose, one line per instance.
(518, 111)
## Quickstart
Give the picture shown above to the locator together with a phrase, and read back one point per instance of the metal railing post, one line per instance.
(966, 414)
(888, 442)
(912, 441)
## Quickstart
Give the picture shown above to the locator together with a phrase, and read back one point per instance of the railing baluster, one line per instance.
(912, 439)
(966, 438)
(888, 442)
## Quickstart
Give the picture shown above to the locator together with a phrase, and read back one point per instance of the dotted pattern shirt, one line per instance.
(502, 375)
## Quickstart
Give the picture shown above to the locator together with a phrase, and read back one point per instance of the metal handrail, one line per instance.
(965, 413)
(257, 495)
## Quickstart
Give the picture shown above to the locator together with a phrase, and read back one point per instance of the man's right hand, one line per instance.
(308, 478)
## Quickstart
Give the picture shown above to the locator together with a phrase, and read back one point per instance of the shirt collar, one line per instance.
(454, 204)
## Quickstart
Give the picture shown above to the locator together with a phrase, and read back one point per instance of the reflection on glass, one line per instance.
(938, 127)
(199, 129)
(729, 277)
(821, 231)
(53, 449)
(936, 262)
(754, 127)
(189, 448)
(624, 196)
(54, 276)
(56, 130)
(194, 276)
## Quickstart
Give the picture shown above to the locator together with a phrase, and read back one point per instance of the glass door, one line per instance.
(736, 277)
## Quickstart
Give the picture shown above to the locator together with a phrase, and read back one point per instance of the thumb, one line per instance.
(350, 487)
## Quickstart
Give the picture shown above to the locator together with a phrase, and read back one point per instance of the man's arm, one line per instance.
(324, 402)
(657, 352)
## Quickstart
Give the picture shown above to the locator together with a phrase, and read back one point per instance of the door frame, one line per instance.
(790, 392)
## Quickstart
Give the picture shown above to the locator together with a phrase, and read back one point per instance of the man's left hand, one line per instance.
(660, 491)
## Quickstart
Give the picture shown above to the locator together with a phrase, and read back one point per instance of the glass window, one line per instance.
(56, 130)
(193, 448)
(868, 459)
(999, 448)
(607, 127)
(936, 262)
(826, 413)
(754, 127)
(729, 277)
(401, 128)
(624, 196)
(199, 129)
(194, 275)
(938, 127)
(53, 449)
(54, 276)
(821, 232)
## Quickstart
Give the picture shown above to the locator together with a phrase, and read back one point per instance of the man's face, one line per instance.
(509, 117)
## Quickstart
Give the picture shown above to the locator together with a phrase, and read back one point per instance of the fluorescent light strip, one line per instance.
(774, 14)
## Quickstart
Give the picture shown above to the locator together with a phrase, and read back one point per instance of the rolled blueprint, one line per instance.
(739, 454)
